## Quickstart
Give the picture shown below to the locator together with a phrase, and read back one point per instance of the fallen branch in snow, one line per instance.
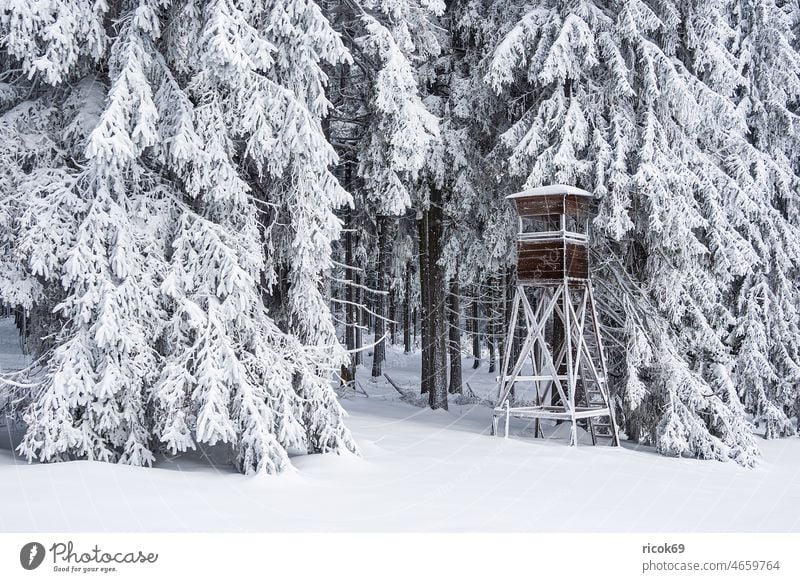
(395, 386)
(470, 391)
(358, 385)
(407, 395)
(469, 398)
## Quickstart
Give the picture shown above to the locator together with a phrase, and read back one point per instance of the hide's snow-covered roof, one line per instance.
(550, 190)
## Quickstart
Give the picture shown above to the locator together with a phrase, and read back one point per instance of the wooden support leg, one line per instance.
(604, 367)
(568, 337)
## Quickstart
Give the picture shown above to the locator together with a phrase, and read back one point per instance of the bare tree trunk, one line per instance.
(510, 343)
(424, 288)
(407, 312)
(370, 301)
(359, 318)
(558, 341)
(503, 318)
(454, 345)
(491, 324)
(476, 335)
(351, 313)
(416, 324)
(434, 311)
(392, 317)
(492, 356)
(381, 300)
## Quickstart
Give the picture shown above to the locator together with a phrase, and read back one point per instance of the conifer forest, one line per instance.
(221, 221)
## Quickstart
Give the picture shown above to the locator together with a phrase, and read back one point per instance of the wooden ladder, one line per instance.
(603, 426)
(598, 394)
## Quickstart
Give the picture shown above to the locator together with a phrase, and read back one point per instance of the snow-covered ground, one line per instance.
(420, 470)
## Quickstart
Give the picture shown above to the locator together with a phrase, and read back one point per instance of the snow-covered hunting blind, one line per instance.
(568, 374)
(553, 233)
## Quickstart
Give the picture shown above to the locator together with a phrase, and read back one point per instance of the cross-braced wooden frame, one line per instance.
(572, 386)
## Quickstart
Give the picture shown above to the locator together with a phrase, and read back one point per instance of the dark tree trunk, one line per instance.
(351, 318)
(491, 324)
(434, 323)
(455, 338)
(370, 301)
(416, 324)
(381, 299)
(359, 318)
(437, 297)
(510, 342)
(558, 343)
(392, 317)
(503, 319)
(407, 312)
(476, 335)
(424, 288)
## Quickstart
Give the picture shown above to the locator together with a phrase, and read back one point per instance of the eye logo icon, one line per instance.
(31, 555)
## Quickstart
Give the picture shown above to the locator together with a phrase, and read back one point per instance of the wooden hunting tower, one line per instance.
(561, 345)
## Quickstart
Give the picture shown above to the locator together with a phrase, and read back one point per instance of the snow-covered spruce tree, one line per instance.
(306, 195)
(481, 232)
(395, 150)
(38, 208)
(92, 401)
(26, 137)
(481, 228)
(394, 145)
(768, 361)
(202, 128)
(612, 98)
(385, 122)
